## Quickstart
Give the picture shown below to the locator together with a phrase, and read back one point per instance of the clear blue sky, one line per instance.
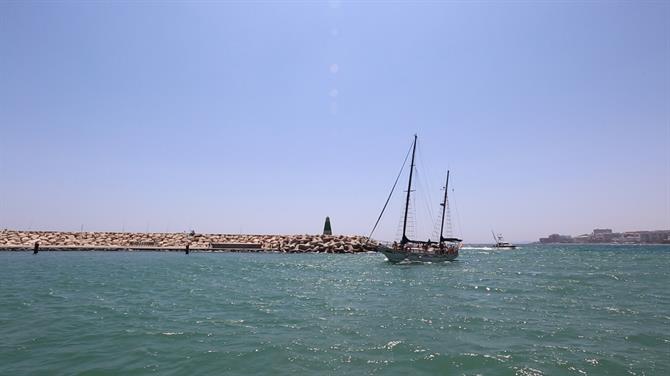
(266, 117)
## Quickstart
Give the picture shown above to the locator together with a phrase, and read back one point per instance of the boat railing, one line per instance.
(386, 243)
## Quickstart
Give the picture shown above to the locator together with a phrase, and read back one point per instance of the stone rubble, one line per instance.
(280, 243)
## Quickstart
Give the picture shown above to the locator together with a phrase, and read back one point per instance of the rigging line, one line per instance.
(458, 216)
(421, 183)
(424, 164)
(428, 194)
(390, 194)
(423, 187)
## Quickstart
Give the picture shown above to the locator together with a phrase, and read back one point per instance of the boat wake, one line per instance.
(486, 250)
(416, 262)
(478, 248)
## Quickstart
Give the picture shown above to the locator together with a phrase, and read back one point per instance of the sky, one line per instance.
(266, 117)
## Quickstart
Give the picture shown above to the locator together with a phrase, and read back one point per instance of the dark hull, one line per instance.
(396, 256)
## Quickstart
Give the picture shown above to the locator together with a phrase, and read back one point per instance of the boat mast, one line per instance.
(409, 189)
(444, 207)
(495, 239)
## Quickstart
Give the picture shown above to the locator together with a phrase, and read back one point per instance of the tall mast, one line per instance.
(409, 189)
(444, 206)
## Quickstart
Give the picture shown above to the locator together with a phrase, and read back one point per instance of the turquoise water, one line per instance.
(539, 310)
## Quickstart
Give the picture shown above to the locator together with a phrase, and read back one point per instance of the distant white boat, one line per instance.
(500, 243)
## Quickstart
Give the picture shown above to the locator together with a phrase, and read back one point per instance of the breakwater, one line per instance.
(23, 240)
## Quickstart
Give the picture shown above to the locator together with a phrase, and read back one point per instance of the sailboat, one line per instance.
(446, 249)
(500, 242)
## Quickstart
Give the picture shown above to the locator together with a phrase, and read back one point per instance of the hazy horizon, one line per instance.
(267, 117)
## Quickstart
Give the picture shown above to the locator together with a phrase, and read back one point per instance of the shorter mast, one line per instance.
(444, 207)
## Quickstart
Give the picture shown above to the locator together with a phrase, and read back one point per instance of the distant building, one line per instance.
(603, 235)
(606, 235)
(632, 237)
(556, 238)
(655, 236)
(584, 238)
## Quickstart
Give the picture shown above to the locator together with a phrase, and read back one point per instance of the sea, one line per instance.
(537, 310)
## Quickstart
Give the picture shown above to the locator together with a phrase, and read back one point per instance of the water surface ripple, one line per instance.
(539, 310)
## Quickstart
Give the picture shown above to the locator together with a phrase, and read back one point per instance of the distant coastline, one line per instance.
(607, 236)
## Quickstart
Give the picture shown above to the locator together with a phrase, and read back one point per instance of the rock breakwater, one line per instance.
(12, 239)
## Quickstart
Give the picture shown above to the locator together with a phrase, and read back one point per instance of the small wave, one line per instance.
(527, 371)
(622, 311)
(499, 358)
(172, 333)
(392, 344)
